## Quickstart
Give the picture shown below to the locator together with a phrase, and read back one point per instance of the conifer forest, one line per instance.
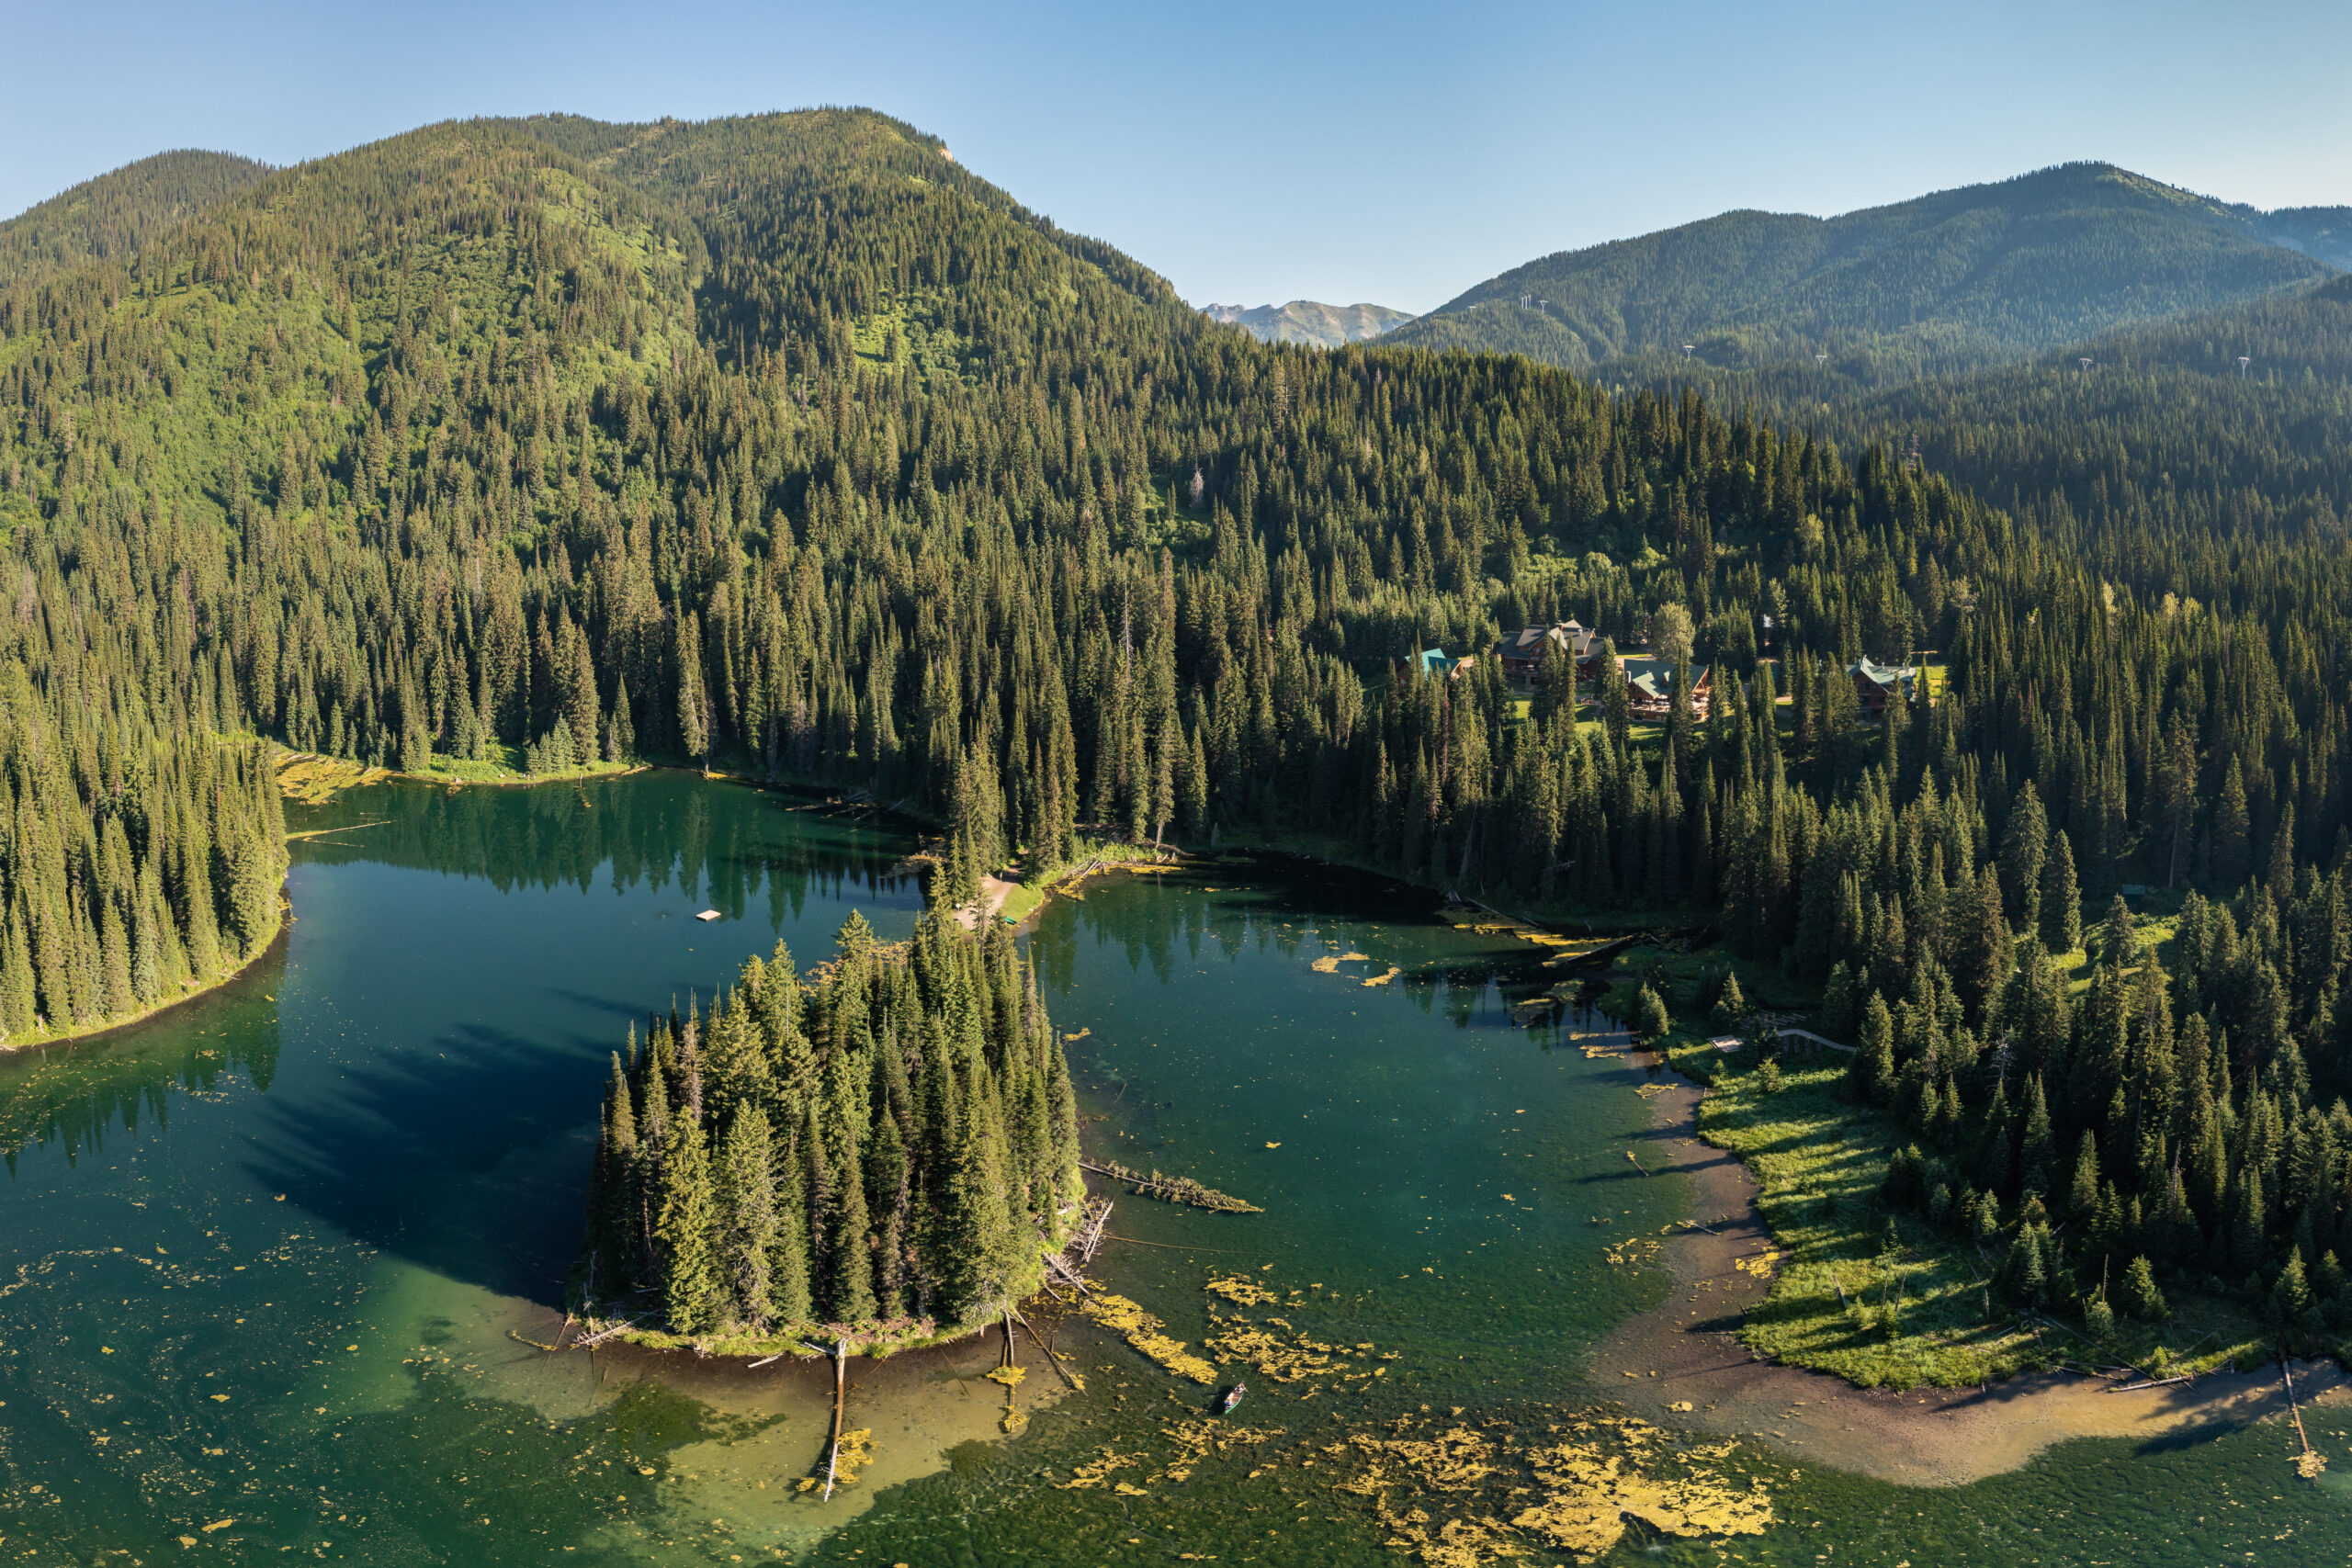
(787, 446)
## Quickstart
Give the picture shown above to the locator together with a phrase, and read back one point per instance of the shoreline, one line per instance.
(1687, 1350)
(213, 987)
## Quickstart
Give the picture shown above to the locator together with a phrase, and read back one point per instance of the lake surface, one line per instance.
(275, 1258)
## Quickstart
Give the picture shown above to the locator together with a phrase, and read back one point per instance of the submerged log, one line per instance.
(1174, 1189)
(841, 1396)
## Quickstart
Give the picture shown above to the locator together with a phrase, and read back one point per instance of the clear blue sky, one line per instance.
(1260, 153)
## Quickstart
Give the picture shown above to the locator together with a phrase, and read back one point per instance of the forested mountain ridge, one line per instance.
(789, 442)
(1960, 277)
(111, 216)
(1309, 321)
(2229, 423)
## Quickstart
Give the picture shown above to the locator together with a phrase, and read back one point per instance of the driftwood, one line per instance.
(1067, 1273)
(841, 1397)
(1173, 1189)
(2310, 1461)
(1091, 1237)
(1048, 1349)
(603, 1333)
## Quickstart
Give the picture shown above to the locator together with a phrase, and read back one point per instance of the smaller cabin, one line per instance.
(1650, 688)
(1433, 663)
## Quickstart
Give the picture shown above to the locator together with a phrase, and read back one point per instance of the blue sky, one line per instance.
(1260, 153)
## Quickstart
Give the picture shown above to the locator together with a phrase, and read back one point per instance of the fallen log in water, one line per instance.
(841, 1397)
(1174, 1189)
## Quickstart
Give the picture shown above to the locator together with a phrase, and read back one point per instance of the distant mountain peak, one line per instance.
(1977, 274)
(1310, 320)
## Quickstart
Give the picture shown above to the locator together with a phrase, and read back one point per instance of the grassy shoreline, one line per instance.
(1881, 1297)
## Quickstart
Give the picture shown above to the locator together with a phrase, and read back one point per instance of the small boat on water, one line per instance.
(1232, 1397)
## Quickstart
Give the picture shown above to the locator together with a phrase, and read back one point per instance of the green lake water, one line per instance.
(265, 1260)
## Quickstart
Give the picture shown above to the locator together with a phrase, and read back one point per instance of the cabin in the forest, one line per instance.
(1875, 684)
(1522, 652)
(1650, 688)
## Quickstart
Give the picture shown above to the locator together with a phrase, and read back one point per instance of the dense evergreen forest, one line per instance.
(891, 1137)
(788, 442)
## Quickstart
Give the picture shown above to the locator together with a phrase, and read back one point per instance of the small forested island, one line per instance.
(884, 1149)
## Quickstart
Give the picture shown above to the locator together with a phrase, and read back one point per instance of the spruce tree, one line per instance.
(2024, 848)
(2037, 1158)
(694, 1289)
(2062, 906)
(750, 1221)
(1874, 1063)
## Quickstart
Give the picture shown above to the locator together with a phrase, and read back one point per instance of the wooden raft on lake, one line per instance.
(1174, 1189)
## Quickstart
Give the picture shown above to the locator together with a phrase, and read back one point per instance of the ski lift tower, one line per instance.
(2243, 360)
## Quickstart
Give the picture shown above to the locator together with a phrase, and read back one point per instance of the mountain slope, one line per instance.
(1969, 276)
(1310, 320)
(110, 217)
(847, 225)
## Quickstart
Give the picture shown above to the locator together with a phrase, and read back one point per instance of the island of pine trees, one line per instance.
(885, 1147)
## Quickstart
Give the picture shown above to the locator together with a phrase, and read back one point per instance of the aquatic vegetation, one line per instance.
(854, 1454)
(1142, 1330)
(1242, 1291)
(1464, 1494)
(1634, 1252)
(1015, 1419)
(1098, 1470)
(1197, 1440)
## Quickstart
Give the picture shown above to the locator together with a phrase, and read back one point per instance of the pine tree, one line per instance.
(2142, 1299)
(2062, 905)
(1873, 1065)
(2024, 848)
(2038, 1156)
(750, 1221)
(1730, 1006)
(788, 1264)
(2083, 1195)
(2026, 1276)
(694, 1289)
(253, 894)
(2291, 1295)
